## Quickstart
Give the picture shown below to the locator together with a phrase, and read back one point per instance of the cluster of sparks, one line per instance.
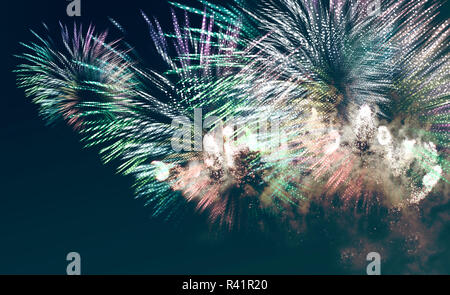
(311, 100)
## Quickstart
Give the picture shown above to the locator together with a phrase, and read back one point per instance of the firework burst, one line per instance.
(305, 100)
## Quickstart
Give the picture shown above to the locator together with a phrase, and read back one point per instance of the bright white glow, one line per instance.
(365, 113)
(228, 132)
(432, 177)
(252, 142)
(384, 137)
(162, 170)
(210, 145)
(335, 145)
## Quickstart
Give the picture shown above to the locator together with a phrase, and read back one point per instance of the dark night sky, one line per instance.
(57, 197)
